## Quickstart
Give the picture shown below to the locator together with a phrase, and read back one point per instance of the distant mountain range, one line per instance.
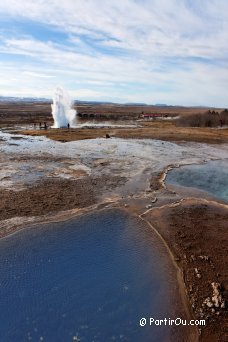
(37, 100)
(23, 99)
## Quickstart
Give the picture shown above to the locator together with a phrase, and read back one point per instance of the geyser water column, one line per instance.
(62, 111)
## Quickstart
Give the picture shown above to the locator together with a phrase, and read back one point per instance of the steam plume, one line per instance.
(62, 111)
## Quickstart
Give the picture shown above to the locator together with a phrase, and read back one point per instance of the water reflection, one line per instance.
(211, 177)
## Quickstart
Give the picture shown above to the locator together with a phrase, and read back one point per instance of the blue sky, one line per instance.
(152, 51)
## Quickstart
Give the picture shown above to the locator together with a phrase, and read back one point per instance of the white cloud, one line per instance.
(160, 50)
(36, 74)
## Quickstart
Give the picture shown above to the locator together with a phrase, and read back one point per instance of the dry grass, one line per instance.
(161, 130)
(173, 130)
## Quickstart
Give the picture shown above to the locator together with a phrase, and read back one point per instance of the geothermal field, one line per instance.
(99, 197)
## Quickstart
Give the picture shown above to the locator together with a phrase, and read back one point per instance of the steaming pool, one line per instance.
(211, 177)
(90, 279)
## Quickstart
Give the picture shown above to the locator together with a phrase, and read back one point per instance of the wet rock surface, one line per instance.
(196, 233)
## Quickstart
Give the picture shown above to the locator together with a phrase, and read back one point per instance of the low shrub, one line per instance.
(207, 119)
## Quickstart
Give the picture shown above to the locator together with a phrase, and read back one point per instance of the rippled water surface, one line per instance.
(90, 279)
(211, 177)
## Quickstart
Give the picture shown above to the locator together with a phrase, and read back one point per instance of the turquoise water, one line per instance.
(211, 177)
(90, 279)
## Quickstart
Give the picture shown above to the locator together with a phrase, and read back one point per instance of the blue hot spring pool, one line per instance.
(211, 177)
(90, 278)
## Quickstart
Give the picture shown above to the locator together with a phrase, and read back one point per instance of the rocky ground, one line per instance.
(196, 233)
(52, 195)
(40, 177)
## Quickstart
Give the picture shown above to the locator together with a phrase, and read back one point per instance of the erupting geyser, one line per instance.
(62, 112)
